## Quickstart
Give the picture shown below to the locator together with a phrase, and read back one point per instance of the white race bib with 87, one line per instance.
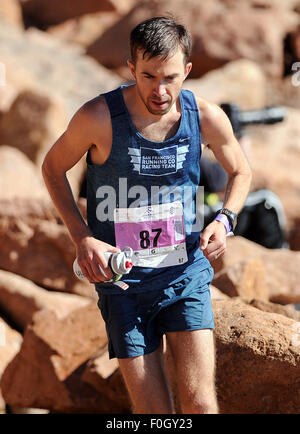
(155, 233)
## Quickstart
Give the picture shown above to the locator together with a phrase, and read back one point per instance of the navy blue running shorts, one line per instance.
(135, 323)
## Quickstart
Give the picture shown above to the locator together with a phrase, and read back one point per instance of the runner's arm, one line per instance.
(217, 133)
(79, 136)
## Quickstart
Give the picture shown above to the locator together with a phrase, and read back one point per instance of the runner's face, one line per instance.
(158, 81)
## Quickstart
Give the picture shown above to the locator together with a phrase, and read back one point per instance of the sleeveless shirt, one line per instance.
(145, 196)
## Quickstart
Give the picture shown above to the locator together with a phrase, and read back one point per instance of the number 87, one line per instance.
(145, 238)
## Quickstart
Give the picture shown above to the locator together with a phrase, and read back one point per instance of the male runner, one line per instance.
(143, 144)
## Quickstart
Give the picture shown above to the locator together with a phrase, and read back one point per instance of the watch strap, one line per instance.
(231, 216)
(223, 219)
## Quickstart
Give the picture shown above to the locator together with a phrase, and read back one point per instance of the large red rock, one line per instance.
(20, 298)
(45, 13)
(266, 306)
(258, 356)
(217, 38)
(105, 376)
(36, 245)
(36, 61)
(253, 349)
(84, 30)
(32, 124)
(39, 103)
(245, 279)
(20, 178)
(46, 373)
(240, 82)
(63, 364)
(281, 267)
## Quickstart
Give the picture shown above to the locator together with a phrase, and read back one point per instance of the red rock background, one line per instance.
(56, 55)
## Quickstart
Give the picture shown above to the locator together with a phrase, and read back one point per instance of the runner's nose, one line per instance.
(160, 90)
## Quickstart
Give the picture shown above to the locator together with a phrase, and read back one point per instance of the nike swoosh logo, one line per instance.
(182, 140)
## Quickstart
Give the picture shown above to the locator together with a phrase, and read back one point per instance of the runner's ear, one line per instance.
(131, 66)
(188, 68)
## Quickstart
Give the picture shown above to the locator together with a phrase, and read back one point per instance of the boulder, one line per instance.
(104, 375)
(32, 124)
(282, 275)
(281, 266)
(42, 208)
(258, 360)
(257, 370)
(217, 39)
(245, 279)
(20, 298)
(240, 82)
(84, 30)
(47, 371)
(46, 13)
(266, 306)
(10, 344)
(36, 61)
(38, 103)
(20, 178)
(238, 249)
(38, 248)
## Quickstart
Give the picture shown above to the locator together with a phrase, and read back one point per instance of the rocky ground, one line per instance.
(57, 55)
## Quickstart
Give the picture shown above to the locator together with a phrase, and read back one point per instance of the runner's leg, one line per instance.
(194, 358)
(146, 383)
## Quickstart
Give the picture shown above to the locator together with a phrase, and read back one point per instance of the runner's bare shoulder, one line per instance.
(215, 126)
(94, 118)
(89, 128)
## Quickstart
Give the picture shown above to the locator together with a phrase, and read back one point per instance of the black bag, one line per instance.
(261, 220)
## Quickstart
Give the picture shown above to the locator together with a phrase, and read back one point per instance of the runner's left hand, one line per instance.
(213, 240)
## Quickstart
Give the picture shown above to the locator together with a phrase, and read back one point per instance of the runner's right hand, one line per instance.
(90, 254)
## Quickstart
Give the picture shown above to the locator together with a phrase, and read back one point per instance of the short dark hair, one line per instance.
(160, 36)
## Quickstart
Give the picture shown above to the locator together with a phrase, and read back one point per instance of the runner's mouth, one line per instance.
(159, 103)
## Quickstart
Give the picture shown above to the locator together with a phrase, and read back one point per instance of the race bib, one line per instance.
(155, 233)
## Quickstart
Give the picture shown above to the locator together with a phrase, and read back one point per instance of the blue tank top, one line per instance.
(138, 174)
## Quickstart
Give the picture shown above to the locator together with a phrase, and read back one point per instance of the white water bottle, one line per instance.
(120, 263)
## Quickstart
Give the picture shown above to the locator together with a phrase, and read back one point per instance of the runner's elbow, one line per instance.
(50, 167)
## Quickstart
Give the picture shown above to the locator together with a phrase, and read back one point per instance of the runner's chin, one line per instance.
(158, 108)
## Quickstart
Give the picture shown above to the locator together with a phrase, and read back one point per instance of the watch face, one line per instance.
(229, 213)
(232, 217)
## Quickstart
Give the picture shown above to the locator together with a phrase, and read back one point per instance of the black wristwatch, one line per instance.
(231, 216)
